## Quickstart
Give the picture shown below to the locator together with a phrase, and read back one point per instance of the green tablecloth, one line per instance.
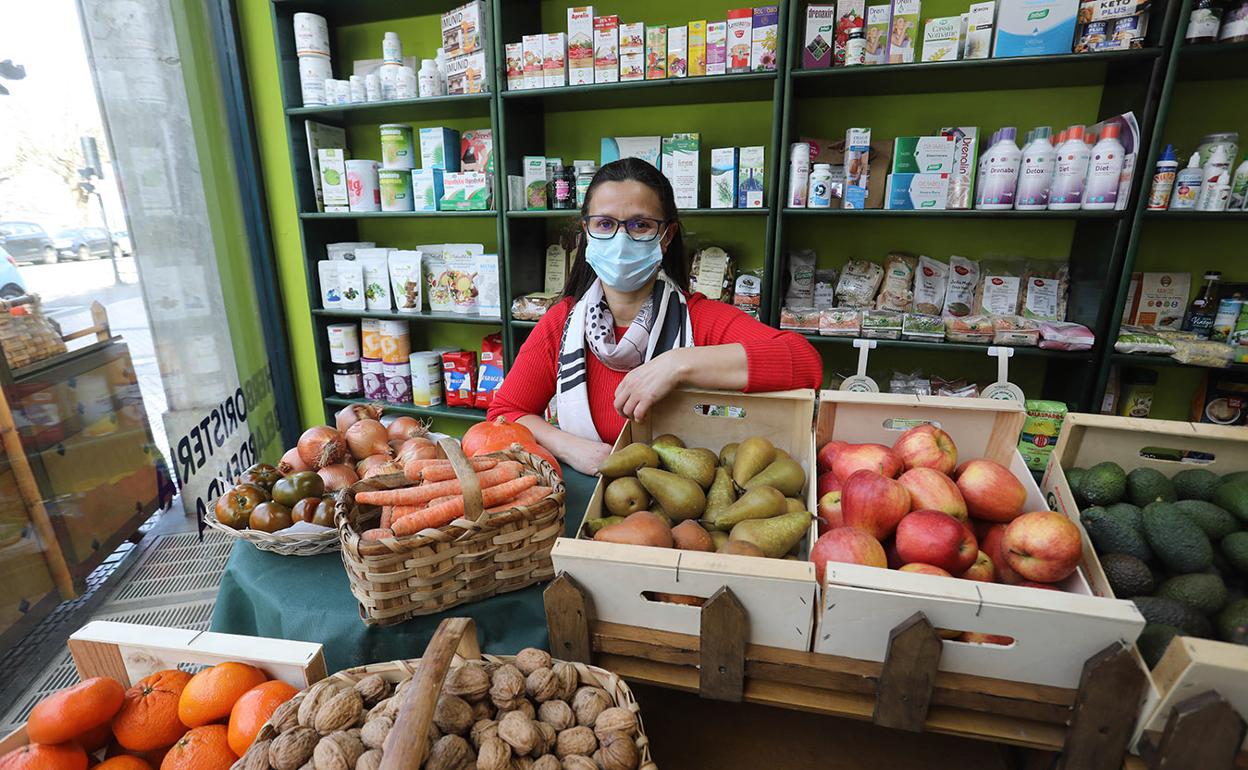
(308, 599)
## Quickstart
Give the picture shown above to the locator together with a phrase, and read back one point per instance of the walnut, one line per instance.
(483, 730)
(576, 740)
(523, 705)
(568, 679)
(373, 689)
(287, 715)
(452, 715)
(482, 709)
(339, 712)
(267, 733)
(615, 720)
(557, 714)
(387, 708)
(402, 685)
(618, 752)
(450, 752)
(373, 734)
(546, 762)
(521, 763)
(520, 732)
(256, 757)
(469, 682)
(549, 734)
(494, 754)
(577, 762)
(542, 685)
(507, 686)
(293, 748)
(369, 760)
(588, 703)
(337, 751)
(316, 696)
(531, 659)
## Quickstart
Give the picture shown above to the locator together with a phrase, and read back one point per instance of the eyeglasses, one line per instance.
(638, 228)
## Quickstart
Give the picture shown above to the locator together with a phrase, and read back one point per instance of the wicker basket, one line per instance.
(453, 644)
(29, 337)
(472, 558)
(301, 544)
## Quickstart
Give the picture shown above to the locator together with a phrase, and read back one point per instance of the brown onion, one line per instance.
(403, 428)
(367, 437)
(370, 462)
(352, 413)
(416, 449)
(337, 477)
(389, 466)
(321, 446)
(291, 462)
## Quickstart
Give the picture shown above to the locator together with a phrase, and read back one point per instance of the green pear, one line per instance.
(625, 495)
(785, 475)
(752, 456)
(775, 536)
(626, 461)
(794, 505)
(727, 454)
(593, 525)
(657, 510)
(667, 439)
(718, 539)
(681, 498)
(721, 495)
(695, 464)
(756, 503)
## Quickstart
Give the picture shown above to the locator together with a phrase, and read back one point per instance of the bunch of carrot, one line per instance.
(437, 499)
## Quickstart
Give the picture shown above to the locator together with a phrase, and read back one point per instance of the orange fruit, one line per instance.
(65, 715)
(95, 739)
(202, 748)
(252, 710)
(38, 756)
(148, 719)
(123, 762)
(210, 694)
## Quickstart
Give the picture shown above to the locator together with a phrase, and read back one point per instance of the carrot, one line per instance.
(402, 510)
(377, 533)
(444, 472)
(441, 515)
(422, 494)
(387, 516)
(527, 497)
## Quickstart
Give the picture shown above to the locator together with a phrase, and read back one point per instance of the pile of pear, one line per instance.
(746, 500)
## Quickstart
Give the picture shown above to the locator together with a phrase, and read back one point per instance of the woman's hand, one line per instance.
(646, 385)
(584, 455)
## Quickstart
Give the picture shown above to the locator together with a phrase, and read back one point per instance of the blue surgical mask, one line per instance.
(622, 263)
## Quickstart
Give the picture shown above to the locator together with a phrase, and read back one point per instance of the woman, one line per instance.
(628, 331)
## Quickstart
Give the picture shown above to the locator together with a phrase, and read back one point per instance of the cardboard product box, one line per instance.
(648, 148)
(850, 14)
(680, 166)
(697, 48)
(717, 48)
(535, 183)
(554, 60)
(740, 35)
(465, 191)
(463, 29)
(677, 52)
(633, 51)
(879, 18)
(763, 38)
(916, 192)
(427, 188)
(581, 45)
(924, 154)
(818, 43)
(534, 55)
(333, 168)
(903, 31)
(467, 74)
(515, 66)
(857, 167)
(515, 193)
(751, 181)
(439, 148)
(724, 177)
(941, 38)
(606, 49)
(1158, 300)
(979, 22)
(476, 150)
(656, 53)
(1034, 27)
(1222, 400)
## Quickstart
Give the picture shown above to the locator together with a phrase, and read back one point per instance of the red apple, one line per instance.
(932, 490)
(830, 516)
(871, 457)
(890, 551)
(827, 453)
(874, 503)
(990, 543)
(849, 545)
(975, 637)
(1037, 584)
(828, 482)
(982, 570)
(926, 446)
(934, 537)
(923, 569)
(991, 492)
(1044, 546)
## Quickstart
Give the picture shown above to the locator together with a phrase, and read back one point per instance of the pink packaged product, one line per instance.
(1064, 335)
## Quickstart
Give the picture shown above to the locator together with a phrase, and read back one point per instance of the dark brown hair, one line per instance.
(675, 262)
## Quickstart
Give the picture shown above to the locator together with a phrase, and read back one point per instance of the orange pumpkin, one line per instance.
(496, 433)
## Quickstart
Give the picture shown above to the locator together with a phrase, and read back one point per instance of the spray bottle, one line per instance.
(1163, 180)
(1069, 171)
(1215, 186)
(1239, 188)
(1002, 169)
(1104, 170)
(1036, 174)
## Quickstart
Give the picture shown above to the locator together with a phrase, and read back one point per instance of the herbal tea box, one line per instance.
(645, 147)
(979, 23)
(820, 34)
(763, 38)
(581, 45)
(716, 48)
(633, 51)
(876, 33)
(750, 182)
(677, 52)
(1034, 27)
(680, 166)
(903, 27)
(913, 192)
(427, 188)
(740, 33)
(697, 48)
(333, 163)
(606, 49)
(439, 148)
(515, 66)
(940, 38)
(850, 14)
(534, 53)
(923, 154)
(535, 182)
(554, 60)
(465, 191)
(724, 177)
(656, 53)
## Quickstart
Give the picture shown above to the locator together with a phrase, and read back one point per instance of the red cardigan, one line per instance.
(777, 360)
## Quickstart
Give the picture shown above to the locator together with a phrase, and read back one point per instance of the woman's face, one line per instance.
(626, 200)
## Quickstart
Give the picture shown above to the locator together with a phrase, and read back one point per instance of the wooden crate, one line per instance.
(1054, 632)
(128, 652)
(778, 595)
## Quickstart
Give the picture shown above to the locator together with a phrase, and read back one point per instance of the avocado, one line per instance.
(1201, 591)
(1109, 535)
(1180, 545)
(1195, 484)
(1238, 477)
(1234, 498)
(1154, 640)
(1235, 548)
(1128, 514)
(1157, 609)
(1104, 484)
(1233, 622)
(1146, 485)
(1128, 576)
(1075, 477)
(1215, 522)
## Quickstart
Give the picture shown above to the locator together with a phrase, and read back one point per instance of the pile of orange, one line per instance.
(169, 720)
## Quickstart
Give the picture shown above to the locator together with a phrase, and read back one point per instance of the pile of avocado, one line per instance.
(1177, 547)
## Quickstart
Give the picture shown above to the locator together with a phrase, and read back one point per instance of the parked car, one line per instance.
(83, 242)
(28, 242)
(11, 283)
(121, 244)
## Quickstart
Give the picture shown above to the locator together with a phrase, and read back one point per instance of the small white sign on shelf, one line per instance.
(860, 382)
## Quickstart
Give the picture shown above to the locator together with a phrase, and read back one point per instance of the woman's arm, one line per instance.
(721, 367)
(582, 454)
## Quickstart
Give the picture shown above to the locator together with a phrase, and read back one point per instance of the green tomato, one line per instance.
(295, 487)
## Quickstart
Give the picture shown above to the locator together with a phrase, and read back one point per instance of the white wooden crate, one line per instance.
(1054, 632)
(778, 594)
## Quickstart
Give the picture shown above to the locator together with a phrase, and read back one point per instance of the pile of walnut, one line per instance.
(532, 715)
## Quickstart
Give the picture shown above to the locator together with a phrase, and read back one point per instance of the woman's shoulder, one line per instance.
(700, 305)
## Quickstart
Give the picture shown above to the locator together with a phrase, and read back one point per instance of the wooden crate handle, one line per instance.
(1103, 718)
(567, 620)
(474, 505)
(721, 647)
(904, 690)
(408, 740)
(1203, 731)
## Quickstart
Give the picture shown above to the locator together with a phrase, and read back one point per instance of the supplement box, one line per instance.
(979, 21)
(716, 48)
(515, 66)
(923, 154)
(1034, 27)
(645, 147)
(535, 182)
(463, 29)
(467, 74)
(677, 51)
(940, 38)
(740, 32)
(857, 167)
(656, 53)
(817, 44)
(750, 178)
(333, 165)
(724, 177)
(581, 45)
(876, 32)
(632, 51)
(903, 28)
(533, 56)
(465, 191)
(763, 38)
(962, 177)
(606, 49)
(850, 14)
(697, 48)
(476, 150)
(554, 60)
(439, 148)
(1157, 300)
(427, 188)
(680, 166)
(911, 192)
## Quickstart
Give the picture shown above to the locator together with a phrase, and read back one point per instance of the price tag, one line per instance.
(1003, 389)
(860, 382)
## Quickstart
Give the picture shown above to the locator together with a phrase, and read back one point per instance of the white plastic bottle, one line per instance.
(440, 59)
(429, 81)
(1187, 185)
(1239, 188)
(819, 195)
(391, 48)
(799, 174)
(980, 166)
(1104, 170)
(1069, 171)
(1215, 184)
(1036, 174)
(1001, 172)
